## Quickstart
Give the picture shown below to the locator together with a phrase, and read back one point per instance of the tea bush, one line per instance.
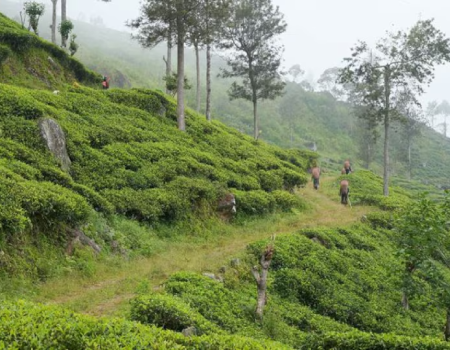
(352, 276)
(25, 325)
(126, 158)
(5, 52)
(169, 313)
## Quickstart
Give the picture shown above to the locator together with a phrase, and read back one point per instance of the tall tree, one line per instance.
(411, 123)
(156, 24)
(254, 55)
(431, 112)
(63, 19)
(216, 13)
(158, 19)
(443, 109)
(53, 26)
(402, 60)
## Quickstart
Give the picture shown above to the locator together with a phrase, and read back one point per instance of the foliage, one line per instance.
(34, 10)
(255, 58)
(171, 83)
(367, 341)
(24, 44)
(5, 52)
(73, 46)
(26, 325)
(169, 313)
(396, 70)
(65, 28)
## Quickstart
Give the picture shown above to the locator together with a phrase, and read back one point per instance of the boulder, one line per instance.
(55, 140)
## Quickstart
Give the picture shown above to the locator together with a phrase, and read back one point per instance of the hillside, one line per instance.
(300, 119)
(124, 156)
(106, 208)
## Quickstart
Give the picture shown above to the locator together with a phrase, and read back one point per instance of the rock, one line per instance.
(213, 276)
(79, 236)
(235, 262)
(190, 331)
(55, 139)
(227, 206)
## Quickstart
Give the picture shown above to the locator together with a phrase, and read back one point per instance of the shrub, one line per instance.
(25, 325)
(286, 201)
(169, 312)
(5, 52)
(254, 202)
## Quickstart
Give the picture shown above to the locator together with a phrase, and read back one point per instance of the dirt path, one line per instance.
(108, 294)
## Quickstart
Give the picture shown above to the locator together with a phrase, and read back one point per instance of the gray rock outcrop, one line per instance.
(55, 140)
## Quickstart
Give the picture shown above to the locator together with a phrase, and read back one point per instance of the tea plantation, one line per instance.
(132, 174)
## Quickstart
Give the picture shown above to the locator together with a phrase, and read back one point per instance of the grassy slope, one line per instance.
(318, 117)
(355, 287)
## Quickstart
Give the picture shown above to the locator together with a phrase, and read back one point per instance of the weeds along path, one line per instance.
(108, 292)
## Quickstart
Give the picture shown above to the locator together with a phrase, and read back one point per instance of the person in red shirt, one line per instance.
(105, 83)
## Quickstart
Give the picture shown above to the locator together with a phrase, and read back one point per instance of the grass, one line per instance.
(107, 292)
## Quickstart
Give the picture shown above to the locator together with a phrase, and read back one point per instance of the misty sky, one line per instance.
(320, 32)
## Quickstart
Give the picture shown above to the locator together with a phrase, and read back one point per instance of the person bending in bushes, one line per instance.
(344, 191)
(315, 175)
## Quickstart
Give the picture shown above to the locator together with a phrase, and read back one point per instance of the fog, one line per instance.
(320, 33)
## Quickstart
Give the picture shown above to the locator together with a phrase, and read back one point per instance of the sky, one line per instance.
(320, 33)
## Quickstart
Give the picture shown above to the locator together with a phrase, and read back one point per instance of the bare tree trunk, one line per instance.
(54, 4)
(261, 280)
(409, 159)
(369, 152)
(255, 119)
(168, 60)
(208, 81)
(180, 67)
(387, 94)
(197, 67)
(405, 301)
(63, 18)
(447, 326)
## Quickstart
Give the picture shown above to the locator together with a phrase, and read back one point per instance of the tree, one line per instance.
(172, 84)
(443, 109)
(401, 61)
(158, 18)
(328, 81)
(65, 28)
(216, 13)
(34, 10)
(421, 232)
(367, 134)
(155, 25)
(255, 56)
(73, 46)
(431, 112)
(296, 72)
(261, 280)
(411, 122)
(53, 25)
(63, 19)
(291, 108)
